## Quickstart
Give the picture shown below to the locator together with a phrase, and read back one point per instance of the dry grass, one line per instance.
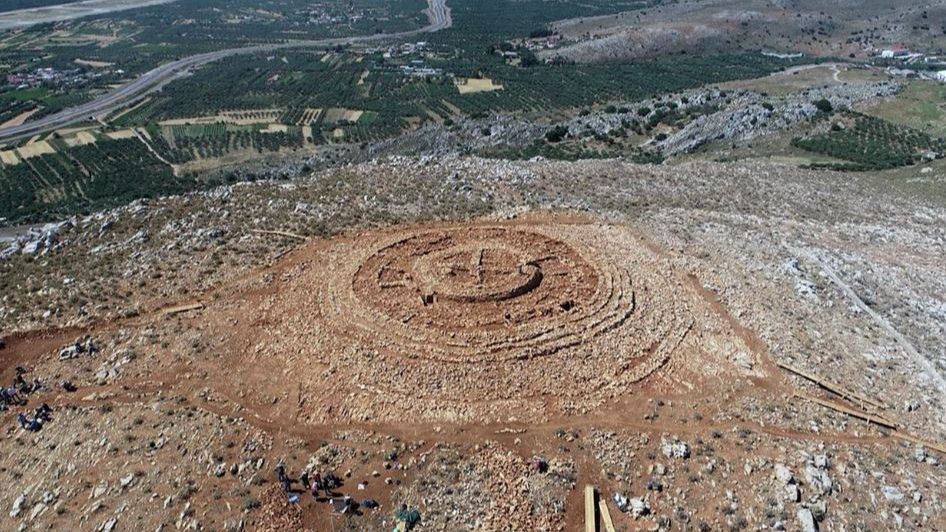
(121, 134)
(275, 128)
(921, 105)
(337, 114)
(473, 85)
(309, 115)
(81, 138)
(19, 119)
(799, 79)
(9, 157)
(35, 149)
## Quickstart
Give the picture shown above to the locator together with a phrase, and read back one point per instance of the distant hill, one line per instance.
(14, 5)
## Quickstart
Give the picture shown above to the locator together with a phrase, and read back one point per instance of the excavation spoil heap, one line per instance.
(480, 321)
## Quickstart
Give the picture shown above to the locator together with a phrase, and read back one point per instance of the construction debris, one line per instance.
(838, 407)
(605, 515)
(591, 518)
(834, 388)
(177, 309)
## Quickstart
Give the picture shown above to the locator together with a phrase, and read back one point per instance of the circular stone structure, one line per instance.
(478, 294)
(473, 321)
(473, 273)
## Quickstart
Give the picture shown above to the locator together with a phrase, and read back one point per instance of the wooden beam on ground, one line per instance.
(871, 418)
(838, 407)
(833, 388)
(177, 309)
(605, 515)
(591, 524)
(913, 439)
(279, 233)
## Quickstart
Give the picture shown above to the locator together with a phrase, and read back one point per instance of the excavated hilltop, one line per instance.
(484, 322)
(709, 346)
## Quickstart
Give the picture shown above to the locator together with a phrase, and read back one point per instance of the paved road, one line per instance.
(437, 12)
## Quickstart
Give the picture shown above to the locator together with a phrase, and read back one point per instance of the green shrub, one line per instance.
(823, 105)
(556, 134)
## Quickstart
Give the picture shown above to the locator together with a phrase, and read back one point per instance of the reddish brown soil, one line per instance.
(461, 333)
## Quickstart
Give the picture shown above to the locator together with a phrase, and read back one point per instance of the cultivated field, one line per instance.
(474, 85)
(921, 105)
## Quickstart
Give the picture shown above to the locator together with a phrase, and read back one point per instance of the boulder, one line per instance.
(621, 502)
(675, 449)
(818, 479)
(892, 493)
(18, 504)
(783, 474)
(10, 251)
(639, 506)
(806, 521)
(791, 492)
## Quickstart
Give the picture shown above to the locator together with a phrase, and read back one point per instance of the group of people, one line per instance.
(406, 518)
(16, 394)
(314, 483)
(40, 416)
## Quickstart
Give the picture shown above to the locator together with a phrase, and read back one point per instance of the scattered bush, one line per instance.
(823, 105)
(556, 134)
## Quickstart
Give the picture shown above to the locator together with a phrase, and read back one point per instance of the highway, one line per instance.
(437, 12)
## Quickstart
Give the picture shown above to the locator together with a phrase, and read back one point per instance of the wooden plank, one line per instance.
(605, 515)
(591, 524)
(177, 309)
(847, 394)
(913, 439)
(870, 418)
(279, 233)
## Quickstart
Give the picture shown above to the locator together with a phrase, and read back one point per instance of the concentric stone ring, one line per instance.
(481, 319)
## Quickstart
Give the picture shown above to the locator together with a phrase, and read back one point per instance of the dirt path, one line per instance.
(154, 152)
